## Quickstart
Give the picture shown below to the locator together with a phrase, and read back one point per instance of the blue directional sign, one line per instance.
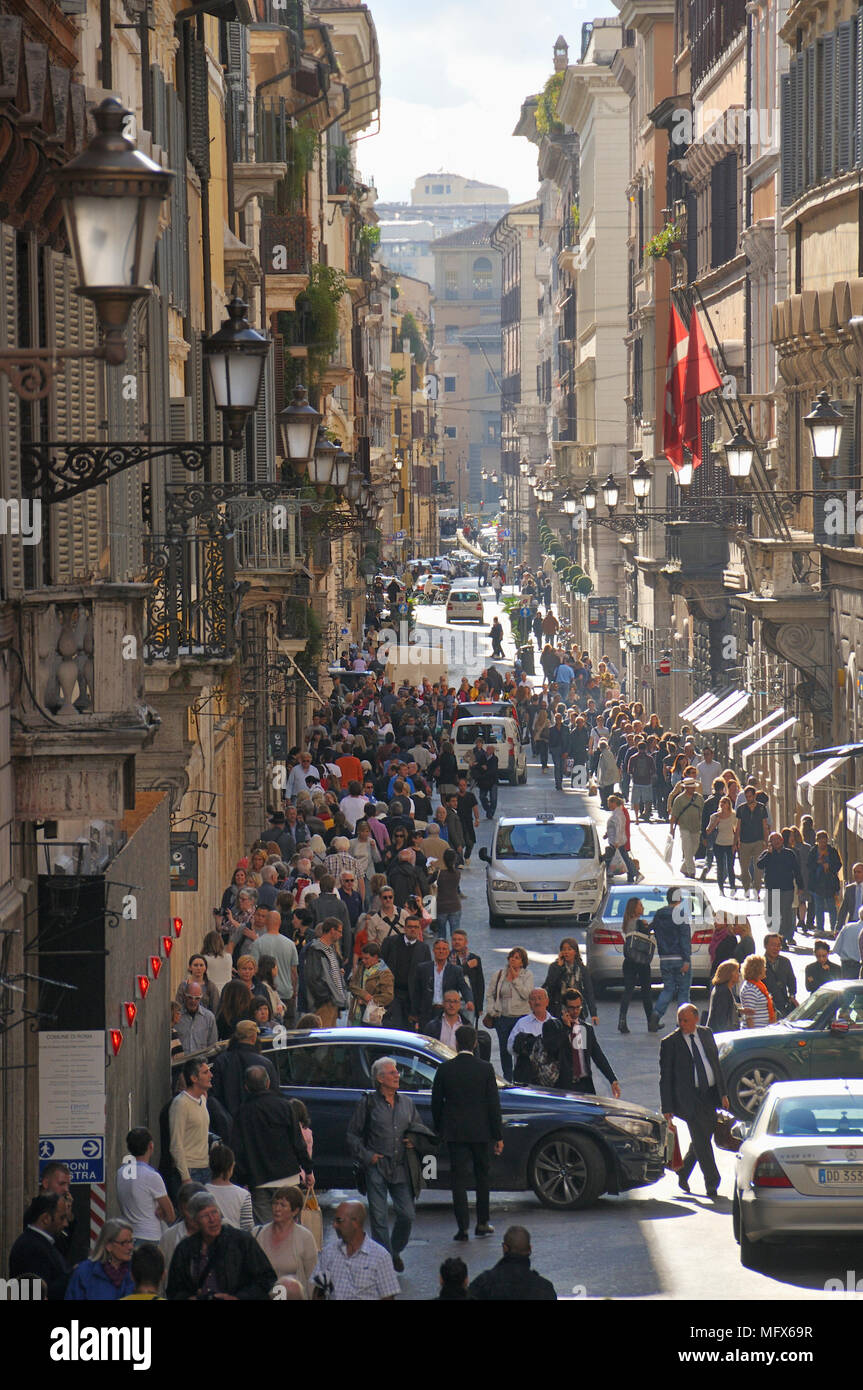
(84, 1155)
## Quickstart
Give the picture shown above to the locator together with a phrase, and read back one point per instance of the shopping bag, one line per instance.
(312, 1218)
(668, 847)
(617, 865)
(673, 1156)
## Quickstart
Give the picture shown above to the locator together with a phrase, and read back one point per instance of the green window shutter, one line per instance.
(786, 140)
(845, 95)
(809, 123)
(197, 109)
(827, 106)
(854, 94)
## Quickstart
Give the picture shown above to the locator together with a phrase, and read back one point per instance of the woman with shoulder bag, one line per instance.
(569, 972)
(724, 1013)
(506, 1001)
(638, 951)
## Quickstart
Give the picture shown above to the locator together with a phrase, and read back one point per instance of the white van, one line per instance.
(464, 604)
(500, 730)
(546, 868)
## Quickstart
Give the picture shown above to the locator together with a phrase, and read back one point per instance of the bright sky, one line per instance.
(454, 76)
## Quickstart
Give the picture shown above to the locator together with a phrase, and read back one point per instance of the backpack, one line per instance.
(639, 946)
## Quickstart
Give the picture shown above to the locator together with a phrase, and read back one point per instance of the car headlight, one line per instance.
(503, 885)
(591, 884)
(724, 1050)
(641, 1129)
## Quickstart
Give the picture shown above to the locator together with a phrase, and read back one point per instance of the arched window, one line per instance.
(482, 276)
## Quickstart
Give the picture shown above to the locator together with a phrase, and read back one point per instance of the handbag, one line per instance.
(489, 1018)
(639, 947)
(312, 1218)
(722, 1136)
(373, 1013)
(673, 1156)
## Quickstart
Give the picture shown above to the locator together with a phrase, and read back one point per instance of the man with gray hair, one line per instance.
(378, 1137)
(340, 861)
(268, 892)
(218, 1261)
(196, 1026)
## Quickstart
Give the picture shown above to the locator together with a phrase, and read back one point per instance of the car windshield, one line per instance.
(653, 899)
(489, 733)
(463, 598)
(557, 841)
(826, 1116)
(446, 1054)
(812, 1008)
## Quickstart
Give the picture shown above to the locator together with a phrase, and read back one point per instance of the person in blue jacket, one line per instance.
(105, 1277)
(670, 926)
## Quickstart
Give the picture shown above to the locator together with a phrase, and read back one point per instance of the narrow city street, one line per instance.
(653, 1242)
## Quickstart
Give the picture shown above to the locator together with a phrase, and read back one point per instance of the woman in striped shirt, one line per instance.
(755, 997)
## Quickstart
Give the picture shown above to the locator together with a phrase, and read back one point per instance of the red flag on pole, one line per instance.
(672, 436)
(701, 377)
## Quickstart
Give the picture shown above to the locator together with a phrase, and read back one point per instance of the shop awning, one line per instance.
(840, 750)
(756, 728)
(768, 737)
(854, 814)
(702, 705)
(723, 713)
(809, 781)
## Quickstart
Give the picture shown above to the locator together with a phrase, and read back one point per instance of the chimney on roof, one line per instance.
(561, 54)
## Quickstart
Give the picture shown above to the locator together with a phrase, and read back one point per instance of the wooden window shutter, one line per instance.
(11, 562)
(786, 140)
(197, 108)
(827, 107)
(181, 416)
(67, 561)
(799, 123)
(845, 95)
(237, 77)
(855, 91)
(809, 122)
(265, 428)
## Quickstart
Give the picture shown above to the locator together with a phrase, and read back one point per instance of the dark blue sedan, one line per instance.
(568, 1148)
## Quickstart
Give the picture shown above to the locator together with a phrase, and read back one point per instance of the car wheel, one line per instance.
(735, 1217)
(495, 921)
(749, 1085)
(567, 1171)
(752, 1253)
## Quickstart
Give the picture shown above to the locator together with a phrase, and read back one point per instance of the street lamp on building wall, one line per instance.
(235, 356)
(824, 424)
(298, 426)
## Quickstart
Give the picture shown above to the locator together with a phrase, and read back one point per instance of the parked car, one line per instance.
(567, 1148)
(800, 1168)
(546, 868)
(504, 732)
(822, 1038)
(464, 604)
(605, 937)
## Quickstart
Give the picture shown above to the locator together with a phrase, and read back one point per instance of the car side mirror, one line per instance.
(839, 1025)
(740, 1130)
(484, 856)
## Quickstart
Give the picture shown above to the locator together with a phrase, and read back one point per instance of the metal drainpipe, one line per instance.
(206, 235)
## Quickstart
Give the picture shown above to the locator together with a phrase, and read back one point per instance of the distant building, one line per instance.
(440, 204)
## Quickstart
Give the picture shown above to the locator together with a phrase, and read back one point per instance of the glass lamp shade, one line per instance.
(341, 469)
(588, 495)
(494, 478)
(366, 494)
(111, 196)
(322, 463)
(611, 492)
(298, 426)
(503, 504)
(483, 475)
(354, 485)
(531, 479)
(399, 465)
(739, 453)
(524, 468)
(569, 503)
(684, 475)
(825, 429)
(235, 356)
(641, 479)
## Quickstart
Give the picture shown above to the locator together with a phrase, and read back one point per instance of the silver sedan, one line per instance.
(800, 1167)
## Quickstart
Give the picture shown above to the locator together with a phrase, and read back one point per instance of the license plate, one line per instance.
(545, 897)
(850, 1175)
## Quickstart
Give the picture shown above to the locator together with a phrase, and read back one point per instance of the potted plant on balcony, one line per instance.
(547, 122)
(663, 243)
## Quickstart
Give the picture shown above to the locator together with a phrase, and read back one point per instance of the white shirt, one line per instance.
(353, 808)
(437, 977)
(528, 1024)
(365, 1276)
(297, 780)
(139, 1187)
(693, 1040)
(708, 772)
(448, 1032)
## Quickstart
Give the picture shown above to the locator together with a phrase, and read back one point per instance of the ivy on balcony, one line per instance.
(546, 109)
(663, 243)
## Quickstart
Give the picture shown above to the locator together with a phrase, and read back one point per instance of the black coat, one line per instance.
(512, 1280)
(229, 1074)
(239, 1263)
(722, 1016)
(466, 1101)
(475, 978)
(267, 1140)
(554, 986)
(593, 1057)
(403, 960)
(677, 1074)
(422, 989)
(33, 1254)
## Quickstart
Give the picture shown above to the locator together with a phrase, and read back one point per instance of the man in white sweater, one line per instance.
(189, 1123)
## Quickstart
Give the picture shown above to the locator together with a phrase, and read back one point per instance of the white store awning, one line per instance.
(854, 815)
(756, 728)
(768, 737)
(723, 713)
(700, 706)
(809, 781)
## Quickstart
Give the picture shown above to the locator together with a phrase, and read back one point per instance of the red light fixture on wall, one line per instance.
(155, 966)
(116, 1040)
(167, 945)
(143, 985)
(178, 926)
(130, 1010)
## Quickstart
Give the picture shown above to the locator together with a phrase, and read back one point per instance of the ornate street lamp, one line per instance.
(684, 475)
(739, 454)
(322, 464)
(341, 470)
(235, 356)
(824, 424)
(298, 426)
(570, 503)
(641, 479)
(503, 504)
(588, 495)
(531, 477)
(354, 485)
(365, 494)
(111, 196)
(611, 492)
(524, 468)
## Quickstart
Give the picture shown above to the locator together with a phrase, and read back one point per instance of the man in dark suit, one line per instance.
(35, 1251)
(466, 1113)
(691, 1085)
(403, 952)
(852, 898)
(470, 964)
(433, 978)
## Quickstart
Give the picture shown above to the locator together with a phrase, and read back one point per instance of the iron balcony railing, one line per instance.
(712, 26)
(286, 243)
(191, 607)
(266, 539)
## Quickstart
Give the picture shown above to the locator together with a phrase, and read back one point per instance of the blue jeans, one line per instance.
(200, 1175)
(724, 865)
(557, 759)
(488, 799)
(448, 921)
(503, 1027)
(377, 1188)
(674, 982)
(823, 905)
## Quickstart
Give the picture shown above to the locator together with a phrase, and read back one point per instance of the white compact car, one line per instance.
(544, 867)
(800, 1167)
(504, 733)
(464, 604)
